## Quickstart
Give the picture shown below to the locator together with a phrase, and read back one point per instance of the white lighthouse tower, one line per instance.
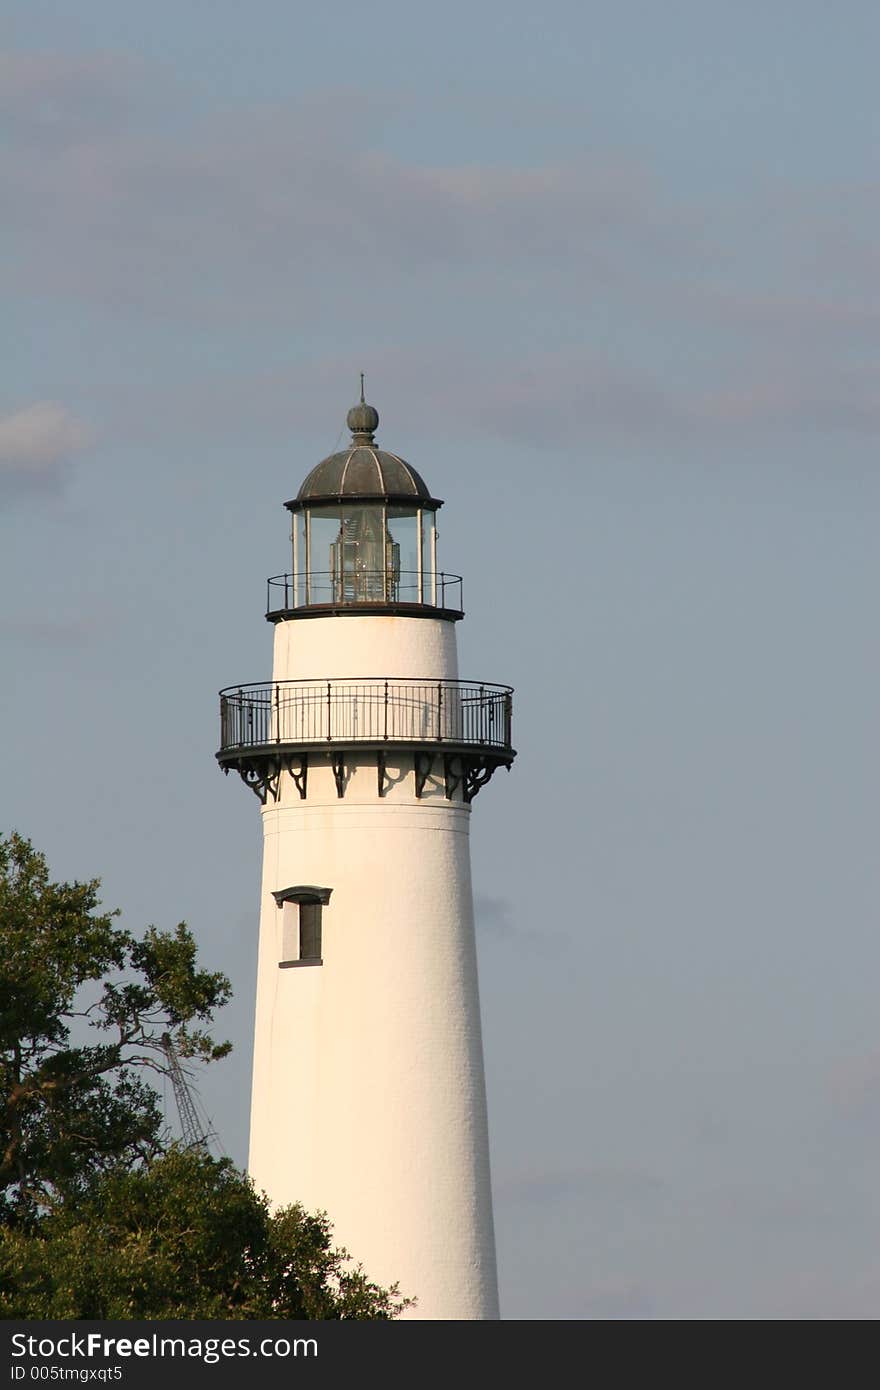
(366, 751)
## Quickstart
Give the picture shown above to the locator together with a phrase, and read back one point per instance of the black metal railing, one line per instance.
(288, 592)
(302, 713)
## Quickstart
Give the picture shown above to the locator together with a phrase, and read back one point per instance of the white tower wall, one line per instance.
(368, 1090)
(361, 645)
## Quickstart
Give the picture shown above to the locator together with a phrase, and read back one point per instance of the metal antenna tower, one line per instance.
(195, 1134)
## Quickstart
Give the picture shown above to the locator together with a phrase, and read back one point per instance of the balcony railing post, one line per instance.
(386, 710)
(329, 717)
(277, 714)
(439, 712)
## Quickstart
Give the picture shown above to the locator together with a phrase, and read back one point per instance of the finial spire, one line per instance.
(362, 420)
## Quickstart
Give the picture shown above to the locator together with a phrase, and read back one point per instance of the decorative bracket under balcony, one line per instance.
(261, 774)
(261, 771)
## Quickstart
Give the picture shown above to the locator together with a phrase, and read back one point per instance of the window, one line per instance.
(301, 909)
(310, 931)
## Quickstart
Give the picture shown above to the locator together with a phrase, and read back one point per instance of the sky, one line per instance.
(611, 271)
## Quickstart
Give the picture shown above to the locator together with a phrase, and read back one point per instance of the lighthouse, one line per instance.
(366, 751)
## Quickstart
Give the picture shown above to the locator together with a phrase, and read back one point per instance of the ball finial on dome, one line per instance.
(363, 419)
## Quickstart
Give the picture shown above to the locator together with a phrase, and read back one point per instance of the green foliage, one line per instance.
(184, 1237)
(99, 1218)
(82, 1010)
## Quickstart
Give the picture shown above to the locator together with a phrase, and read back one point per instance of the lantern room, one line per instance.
(364, 537)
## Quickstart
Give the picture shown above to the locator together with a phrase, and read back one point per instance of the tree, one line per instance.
(83, 1006)
(184, 1236)
(100, 1216)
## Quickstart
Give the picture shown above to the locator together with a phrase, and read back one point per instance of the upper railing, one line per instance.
(289, 592)
(377, 711)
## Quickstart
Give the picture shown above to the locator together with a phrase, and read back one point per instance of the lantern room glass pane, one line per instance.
(351, 556)
(403, 538)
(298, 536)
(324, 528)
(428, 551)
(364, 552)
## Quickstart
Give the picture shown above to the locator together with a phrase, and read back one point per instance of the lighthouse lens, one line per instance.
(364, 552)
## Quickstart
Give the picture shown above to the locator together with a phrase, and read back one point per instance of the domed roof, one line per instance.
(362, 470)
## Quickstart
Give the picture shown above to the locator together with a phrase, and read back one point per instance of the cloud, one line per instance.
(228, 212)
(53, 100)
(574, 400)
(37, 445)
(252, 213)
(553, 399)
(495, 921)
(555, 301)
(606, 1187)
(70, 632)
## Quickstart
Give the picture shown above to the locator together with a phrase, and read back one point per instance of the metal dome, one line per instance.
(363, 470)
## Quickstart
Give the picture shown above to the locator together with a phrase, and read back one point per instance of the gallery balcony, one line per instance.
(265, 728)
